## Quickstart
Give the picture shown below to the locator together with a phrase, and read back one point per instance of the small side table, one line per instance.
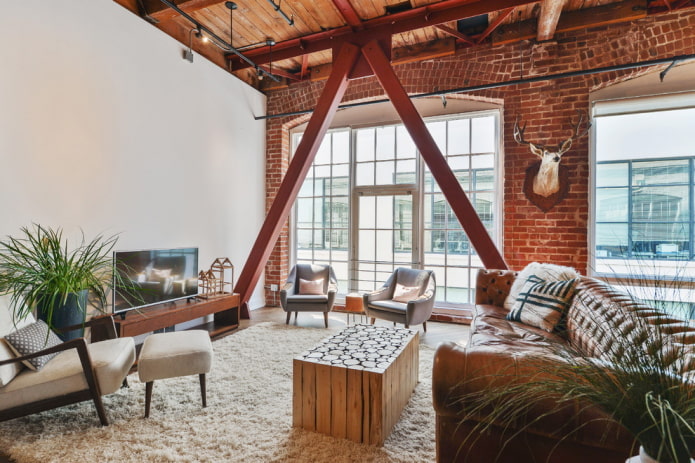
(354, 305)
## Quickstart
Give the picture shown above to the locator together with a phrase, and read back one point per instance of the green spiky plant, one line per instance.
(641, 381)
(38, 268)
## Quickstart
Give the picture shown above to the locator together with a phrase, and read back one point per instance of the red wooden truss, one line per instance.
(348, 64)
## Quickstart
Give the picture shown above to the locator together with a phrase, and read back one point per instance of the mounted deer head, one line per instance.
(546, 182)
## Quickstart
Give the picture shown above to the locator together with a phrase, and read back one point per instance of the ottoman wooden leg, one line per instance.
(202, 390)
(289, 315)
(373, 320)
(325, 319)
(148, 397)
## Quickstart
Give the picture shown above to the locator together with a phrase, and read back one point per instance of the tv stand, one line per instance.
(159, 316)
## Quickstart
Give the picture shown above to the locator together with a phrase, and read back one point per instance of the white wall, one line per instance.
(104, 127)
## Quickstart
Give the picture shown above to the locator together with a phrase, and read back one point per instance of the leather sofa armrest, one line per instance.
(492, 286)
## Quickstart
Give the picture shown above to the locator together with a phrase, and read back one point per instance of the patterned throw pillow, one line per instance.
(33, 338)
(405, 293)
(541, 303)
(313, 287)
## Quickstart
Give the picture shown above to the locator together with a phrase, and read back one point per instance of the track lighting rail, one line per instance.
(276, 7)
(216, 39)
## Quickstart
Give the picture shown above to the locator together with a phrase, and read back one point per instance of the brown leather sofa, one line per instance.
(498, 345)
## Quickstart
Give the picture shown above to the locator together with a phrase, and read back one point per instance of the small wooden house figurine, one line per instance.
(220, 268)
(217, 281)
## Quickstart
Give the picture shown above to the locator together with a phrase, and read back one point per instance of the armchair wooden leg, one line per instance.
(100, 410)
(148, 397)
(202, 390)
(289, 315)
(373, 320)
(424, 326)
(125, 382)
(406, 325)
(296, 314)
(325, 319)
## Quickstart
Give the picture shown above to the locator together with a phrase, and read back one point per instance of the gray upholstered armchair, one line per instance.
(407, 297)
(309, 288)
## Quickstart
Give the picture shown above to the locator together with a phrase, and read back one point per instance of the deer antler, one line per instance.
(565, 146)
(519, 132)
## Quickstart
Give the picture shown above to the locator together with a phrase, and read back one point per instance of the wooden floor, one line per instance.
(437, 332)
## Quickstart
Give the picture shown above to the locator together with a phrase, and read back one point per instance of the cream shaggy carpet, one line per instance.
(248, 418)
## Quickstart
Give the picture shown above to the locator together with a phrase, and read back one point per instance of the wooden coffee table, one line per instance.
(354, 384)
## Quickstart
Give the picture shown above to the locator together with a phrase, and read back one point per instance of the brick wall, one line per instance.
(561, 234)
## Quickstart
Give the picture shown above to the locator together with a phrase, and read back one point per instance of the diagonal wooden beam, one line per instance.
(159, 11)
(296, 173)
(548, 18)
(459, 35)
(447, 181)
(348, 12)
(495, 24)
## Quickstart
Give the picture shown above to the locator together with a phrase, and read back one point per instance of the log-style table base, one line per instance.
(355, 384)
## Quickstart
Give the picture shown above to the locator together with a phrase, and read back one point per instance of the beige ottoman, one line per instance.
(167, 355)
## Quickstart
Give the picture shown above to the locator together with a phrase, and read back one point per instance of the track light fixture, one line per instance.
(207, 33)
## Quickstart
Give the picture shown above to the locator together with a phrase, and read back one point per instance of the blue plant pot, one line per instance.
(73, 312)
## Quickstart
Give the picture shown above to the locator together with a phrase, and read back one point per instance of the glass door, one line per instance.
(385, 228)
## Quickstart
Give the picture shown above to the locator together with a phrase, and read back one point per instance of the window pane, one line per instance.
(459, 136)
(340, 184)
(611, 175)
(365, 174)
(367, 211)
(611, 240)
(365, 145)
(341, 147)
(660, 172)
(385, 172)
(438, 132)
(483, 134)
(385, 142)
(662, 204)
(304, 212)
(323, 156)
(612, 205)
(405, 148)
(484, 180)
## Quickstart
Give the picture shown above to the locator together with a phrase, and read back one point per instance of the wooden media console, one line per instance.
(160, 316)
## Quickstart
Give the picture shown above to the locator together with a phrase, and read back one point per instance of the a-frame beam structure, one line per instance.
(296, 173)
(311, 140)
(442, 173)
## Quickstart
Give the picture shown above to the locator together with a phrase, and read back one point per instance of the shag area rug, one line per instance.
(248, 417)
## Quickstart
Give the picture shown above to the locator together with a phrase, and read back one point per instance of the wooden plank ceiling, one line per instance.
(418, 29)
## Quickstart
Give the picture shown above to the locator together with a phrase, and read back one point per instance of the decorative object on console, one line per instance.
(216, 281)
(547, 182)
(39, 271)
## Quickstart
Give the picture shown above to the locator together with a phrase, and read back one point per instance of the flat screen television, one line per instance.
(157, 275)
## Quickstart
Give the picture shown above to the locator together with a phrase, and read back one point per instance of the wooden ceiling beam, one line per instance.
(628, 10)
(348, 12)
(158, 11)
(495, 24)
(417, 18)
(548, 18)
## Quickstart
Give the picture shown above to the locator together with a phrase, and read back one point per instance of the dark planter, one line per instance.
(71, 313)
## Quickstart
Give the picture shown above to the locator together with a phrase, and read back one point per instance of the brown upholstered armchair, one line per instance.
(407, 297)
(309, 288)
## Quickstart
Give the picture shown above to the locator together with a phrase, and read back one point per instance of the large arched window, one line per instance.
(369, 204)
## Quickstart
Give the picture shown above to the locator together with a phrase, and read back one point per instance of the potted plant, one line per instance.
(39, 271)
(641, 382)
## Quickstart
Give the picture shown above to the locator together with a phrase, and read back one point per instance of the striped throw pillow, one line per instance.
(541, 303)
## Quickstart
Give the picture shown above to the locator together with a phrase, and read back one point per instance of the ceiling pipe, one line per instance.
(215, 38)
(276, 7)
(509, 83)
